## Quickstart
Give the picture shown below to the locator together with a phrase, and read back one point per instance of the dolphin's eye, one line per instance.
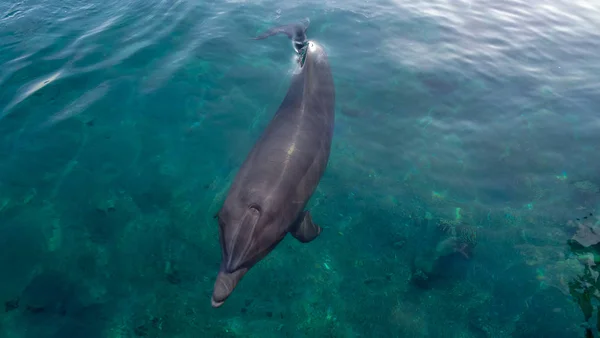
(255, 208)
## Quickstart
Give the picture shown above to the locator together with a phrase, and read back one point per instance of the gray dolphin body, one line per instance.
(270, 191)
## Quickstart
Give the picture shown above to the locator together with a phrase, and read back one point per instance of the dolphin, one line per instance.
(268, 196)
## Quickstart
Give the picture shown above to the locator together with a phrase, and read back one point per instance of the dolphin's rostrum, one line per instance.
(270, 191)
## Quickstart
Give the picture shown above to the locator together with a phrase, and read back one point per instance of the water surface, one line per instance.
(122, 124)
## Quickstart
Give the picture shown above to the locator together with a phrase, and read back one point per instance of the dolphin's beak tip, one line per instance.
(215, 304)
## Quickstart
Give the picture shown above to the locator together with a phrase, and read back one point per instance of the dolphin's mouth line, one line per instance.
(214, 303)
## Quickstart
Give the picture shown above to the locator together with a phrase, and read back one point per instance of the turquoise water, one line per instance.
(464, 152)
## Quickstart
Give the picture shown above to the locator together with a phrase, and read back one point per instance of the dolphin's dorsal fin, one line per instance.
(304, 229)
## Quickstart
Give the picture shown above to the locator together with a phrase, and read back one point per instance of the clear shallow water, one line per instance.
(123, 123)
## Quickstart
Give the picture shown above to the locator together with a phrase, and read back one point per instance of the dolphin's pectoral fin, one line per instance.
(304, 229)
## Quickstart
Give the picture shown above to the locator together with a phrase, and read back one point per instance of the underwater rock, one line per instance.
(11, 305)
(420, 279)
(423, 268)
(87, 322)
(462, 238)
(23, 245)
(399, 244)
(546, 316)
(587, 235)
(102, 226)
(149, 328)
(173, 277)
(49, 292)
(587, 186)
(453, 246)
(377, 281)
(511, 290)
(482, 322)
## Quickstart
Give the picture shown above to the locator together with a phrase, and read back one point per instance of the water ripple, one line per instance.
(507, 33)
(201, 33)
(70, 49)
(165, 13)
(139, 25)
(79, 105)
(30, 89)
(483, 105)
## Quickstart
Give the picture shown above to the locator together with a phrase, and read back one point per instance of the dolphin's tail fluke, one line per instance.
(295, 31)
(291, 30)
